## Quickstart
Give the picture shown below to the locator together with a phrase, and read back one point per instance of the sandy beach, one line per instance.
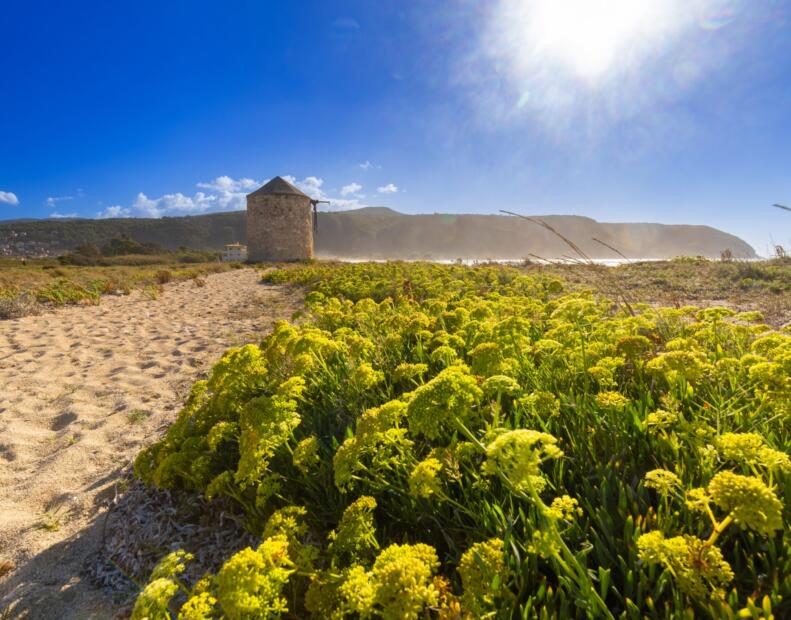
(82, 389)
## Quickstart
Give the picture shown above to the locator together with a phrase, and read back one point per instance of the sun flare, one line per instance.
(587, 37)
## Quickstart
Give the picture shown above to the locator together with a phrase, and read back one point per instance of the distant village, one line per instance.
(16, 244)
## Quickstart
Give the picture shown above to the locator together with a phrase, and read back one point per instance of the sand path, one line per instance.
(81, 390)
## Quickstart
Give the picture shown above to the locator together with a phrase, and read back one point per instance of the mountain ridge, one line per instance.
(382, 233)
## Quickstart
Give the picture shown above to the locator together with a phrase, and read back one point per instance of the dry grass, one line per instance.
(6, 567)
(757, 285)
(26, 286)
(49, 520)
(142, 523)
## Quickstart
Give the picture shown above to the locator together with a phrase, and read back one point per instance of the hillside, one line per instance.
(379, 233)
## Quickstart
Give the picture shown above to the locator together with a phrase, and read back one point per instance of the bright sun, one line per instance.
(589, 36)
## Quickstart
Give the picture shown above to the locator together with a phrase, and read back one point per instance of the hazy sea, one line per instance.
(481, 261)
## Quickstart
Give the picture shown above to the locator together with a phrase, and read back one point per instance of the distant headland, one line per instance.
(381, 233)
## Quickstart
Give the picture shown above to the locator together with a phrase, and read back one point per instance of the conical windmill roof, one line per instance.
(279, 185)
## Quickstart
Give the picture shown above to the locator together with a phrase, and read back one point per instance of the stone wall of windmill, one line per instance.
(279, 223)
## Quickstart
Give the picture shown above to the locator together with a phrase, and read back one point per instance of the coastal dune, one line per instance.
(83, 388)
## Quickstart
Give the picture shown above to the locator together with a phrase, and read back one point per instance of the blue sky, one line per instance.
(679, 112)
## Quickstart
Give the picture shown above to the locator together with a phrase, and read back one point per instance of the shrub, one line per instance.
(17, 306)
(163, 276)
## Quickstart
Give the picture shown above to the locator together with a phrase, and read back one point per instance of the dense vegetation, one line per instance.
(205, 232)
(459, 442)
(117, 246)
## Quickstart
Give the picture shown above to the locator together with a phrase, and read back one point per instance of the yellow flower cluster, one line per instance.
(697, 566)
(356, 532)
(250, 584)
(663, 481)
(289, 522)
(748, 500)
(403, 577)
(516, 457)
(306, 454)
(611, 400)
(565, 507)
(153, 602)
(750, 449)
(660, 420)
(423, 481)
(483, 576)
(452, 394)
(399, 586)
(497, 385)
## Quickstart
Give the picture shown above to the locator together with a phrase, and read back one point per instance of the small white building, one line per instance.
(234, 252)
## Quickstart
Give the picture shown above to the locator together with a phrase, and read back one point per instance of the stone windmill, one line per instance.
(281, 221)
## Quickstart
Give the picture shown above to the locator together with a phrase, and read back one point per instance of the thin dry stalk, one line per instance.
(546, 226)
(609, 247)
(608, 280)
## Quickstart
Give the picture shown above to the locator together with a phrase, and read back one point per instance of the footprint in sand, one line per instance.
(62, 421)
(104, 355)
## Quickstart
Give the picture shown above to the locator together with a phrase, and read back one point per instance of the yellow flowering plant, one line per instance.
(462, 442)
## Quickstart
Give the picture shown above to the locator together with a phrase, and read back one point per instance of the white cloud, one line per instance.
(114, 211)
(310, 185)
(53, 200)
(225, 193)
(367, 165)
(231, 194)
(387, 189)
(351, 189)
(58, 216)
(179, 204)
(228, 184)
(313, 187)
(344, 204)
(9, 198)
